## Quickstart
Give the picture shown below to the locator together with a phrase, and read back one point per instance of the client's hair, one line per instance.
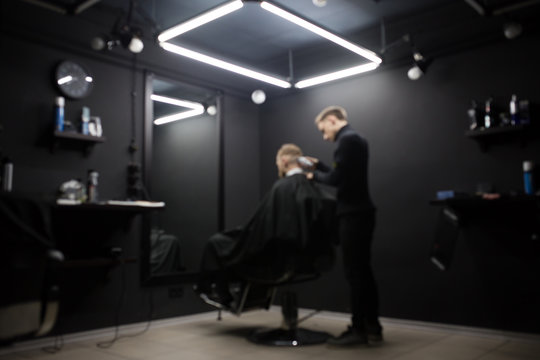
(290, 150)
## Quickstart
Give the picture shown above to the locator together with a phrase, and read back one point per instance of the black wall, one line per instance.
(33, 41)
(417, 143)
(241, 159)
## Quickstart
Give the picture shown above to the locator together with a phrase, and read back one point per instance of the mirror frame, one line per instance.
(147, 279)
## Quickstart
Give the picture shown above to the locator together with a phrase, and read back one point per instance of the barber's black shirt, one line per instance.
(349, 172)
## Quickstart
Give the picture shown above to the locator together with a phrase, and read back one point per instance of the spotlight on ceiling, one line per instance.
(512, 30)
(123, 33)
(419, 68)
(211, 110)
(132, 42)
(135, 44)
(258, 97)
(319, 3)
(98, 43)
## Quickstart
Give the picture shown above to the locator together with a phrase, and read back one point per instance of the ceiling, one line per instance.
(257, 39)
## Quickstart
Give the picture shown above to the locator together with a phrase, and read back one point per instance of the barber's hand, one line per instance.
(312, 159)
(309, 175)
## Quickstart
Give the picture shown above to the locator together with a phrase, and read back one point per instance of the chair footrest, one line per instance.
(288, 337)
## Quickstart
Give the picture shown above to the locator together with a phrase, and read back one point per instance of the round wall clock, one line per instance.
(73, 80)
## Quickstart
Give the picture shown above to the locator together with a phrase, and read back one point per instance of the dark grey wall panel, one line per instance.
(417, 143)
(242, 179)
(185, 176)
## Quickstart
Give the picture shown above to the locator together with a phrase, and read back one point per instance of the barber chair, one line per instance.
(28, 261)
(253, 285)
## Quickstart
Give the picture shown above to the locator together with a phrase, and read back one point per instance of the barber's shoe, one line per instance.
(350, 337)
(375, 338)
(374, 333)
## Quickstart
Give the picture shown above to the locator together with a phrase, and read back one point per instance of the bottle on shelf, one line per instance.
(514, 113)
(528, 180)
(85, 119)
(474, 116)
(92, 183)
(488, 117)
(59, 113)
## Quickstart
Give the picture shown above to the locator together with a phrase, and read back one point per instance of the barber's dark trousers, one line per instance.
(356, 234)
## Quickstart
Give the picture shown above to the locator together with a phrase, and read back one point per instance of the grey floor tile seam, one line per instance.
(397, 356)
(494, 350)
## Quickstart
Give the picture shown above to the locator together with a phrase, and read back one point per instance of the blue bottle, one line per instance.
(528, 177)
(59, 113)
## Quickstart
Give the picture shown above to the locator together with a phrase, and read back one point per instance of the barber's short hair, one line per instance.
(335, 110)
(291, 150)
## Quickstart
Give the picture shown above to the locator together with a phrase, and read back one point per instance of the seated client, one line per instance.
(291, 232)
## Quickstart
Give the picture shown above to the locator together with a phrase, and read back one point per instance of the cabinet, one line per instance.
(86, 232)
(510, 223)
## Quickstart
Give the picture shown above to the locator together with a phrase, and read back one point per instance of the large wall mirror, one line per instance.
(182, 167)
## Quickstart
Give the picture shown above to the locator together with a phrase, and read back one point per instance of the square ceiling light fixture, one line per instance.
(194, 109)
(231, 6)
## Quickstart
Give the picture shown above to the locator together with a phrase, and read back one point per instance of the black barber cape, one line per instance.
(292, 227)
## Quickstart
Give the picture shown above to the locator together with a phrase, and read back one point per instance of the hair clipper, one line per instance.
(305, 163)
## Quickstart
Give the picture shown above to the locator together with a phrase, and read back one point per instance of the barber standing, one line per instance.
(356, 222)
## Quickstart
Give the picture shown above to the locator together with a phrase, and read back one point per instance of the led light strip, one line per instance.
(321, 32)
(234, 5)
(196, 109)
(202, 19)
(336, 75)
(224, 65)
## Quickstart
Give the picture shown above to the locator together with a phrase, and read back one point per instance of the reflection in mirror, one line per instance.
(182, 156)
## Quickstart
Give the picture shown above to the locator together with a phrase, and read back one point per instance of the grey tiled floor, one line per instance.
(226, 340)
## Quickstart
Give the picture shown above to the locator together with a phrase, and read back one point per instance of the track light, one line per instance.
(512, 30)
(136, 45)
(419, 68)
(129, 41)
(104, 42)
(123, 33)
(129, 38)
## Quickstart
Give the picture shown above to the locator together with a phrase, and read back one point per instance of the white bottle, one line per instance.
(7, 175)
(514, 116)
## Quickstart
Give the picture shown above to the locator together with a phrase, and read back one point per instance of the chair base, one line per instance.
(288, 337)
